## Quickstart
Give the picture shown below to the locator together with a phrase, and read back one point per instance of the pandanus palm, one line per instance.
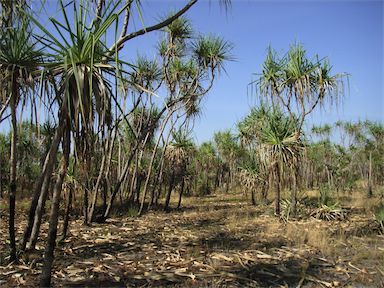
(229, 152)
(251, 166)
(19, 63)
(82, 68)
(298, 85)
(279, 147)
(177, 158)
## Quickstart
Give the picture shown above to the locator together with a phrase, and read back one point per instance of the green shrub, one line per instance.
(325, 195)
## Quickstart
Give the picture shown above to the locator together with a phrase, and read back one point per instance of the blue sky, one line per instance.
(350, 33)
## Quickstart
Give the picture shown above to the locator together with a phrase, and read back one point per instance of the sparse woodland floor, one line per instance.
(213, 241)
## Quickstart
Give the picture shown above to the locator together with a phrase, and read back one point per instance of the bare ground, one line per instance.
(216, 241)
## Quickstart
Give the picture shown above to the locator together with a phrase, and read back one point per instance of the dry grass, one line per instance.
(214, 241)
(313, 235)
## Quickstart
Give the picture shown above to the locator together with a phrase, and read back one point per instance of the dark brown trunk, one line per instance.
(101, 179)
(12, 180)
(253, 196)
(42, 184)
(85, 205)
(118, 184)
(149, 172)
(67, 215)
(277, 188)
(45, 277)
(138, 188)
(181, 192)
(170, 188)
(294, 191)
(160, 180)
(96, 189)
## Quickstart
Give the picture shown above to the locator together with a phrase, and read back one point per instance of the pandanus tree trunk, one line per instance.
(169, 191)
(181, 192)
(120, 181)
(149, 173)
(253, 195)
(156, 189)
(85, 204)
(45, 277)
(67, 214)
(41, 191)
(103, 172)
(276, 173)
(12, 180)
(295, 173)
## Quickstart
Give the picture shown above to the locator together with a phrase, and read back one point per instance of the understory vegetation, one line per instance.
(111, 182)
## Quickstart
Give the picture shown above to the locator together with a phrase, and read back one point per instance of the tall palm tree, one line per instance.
(80, 71)
(252, 170)
(80, 64)
(20, 59)
(279, 147)
(177, 157)
(206, 161)
(299, 84)
(229, 152)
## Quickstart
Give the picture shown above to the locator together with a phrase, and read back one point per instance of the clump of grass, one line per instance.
(133, 212)
(296, 234)
(316, 237)
(368, 205)
(330, 213)
(286, 209)
(325, 195)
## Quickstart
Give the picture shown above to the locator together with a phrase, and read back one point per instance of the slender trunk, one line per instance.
(294, 191)
(370, 193)
(103, 174)
(12, 180)
(154, 186)
(138, 187)
(45, 277)
(253, 196)
(265, 189)
(39, 214)
(181, 192)
(131, 196)
(145, 189)
(157, 185)
(105, 192)
(42, 185)
(91, 210)
(120, 181)
(85, 203)
(227, 181)
(277, 187)
(170, 188)
(67, 215)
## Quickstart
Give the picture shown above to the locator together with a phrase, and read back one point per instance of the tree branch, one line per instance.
(126, 19)
(5, 106)
(119, 44)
